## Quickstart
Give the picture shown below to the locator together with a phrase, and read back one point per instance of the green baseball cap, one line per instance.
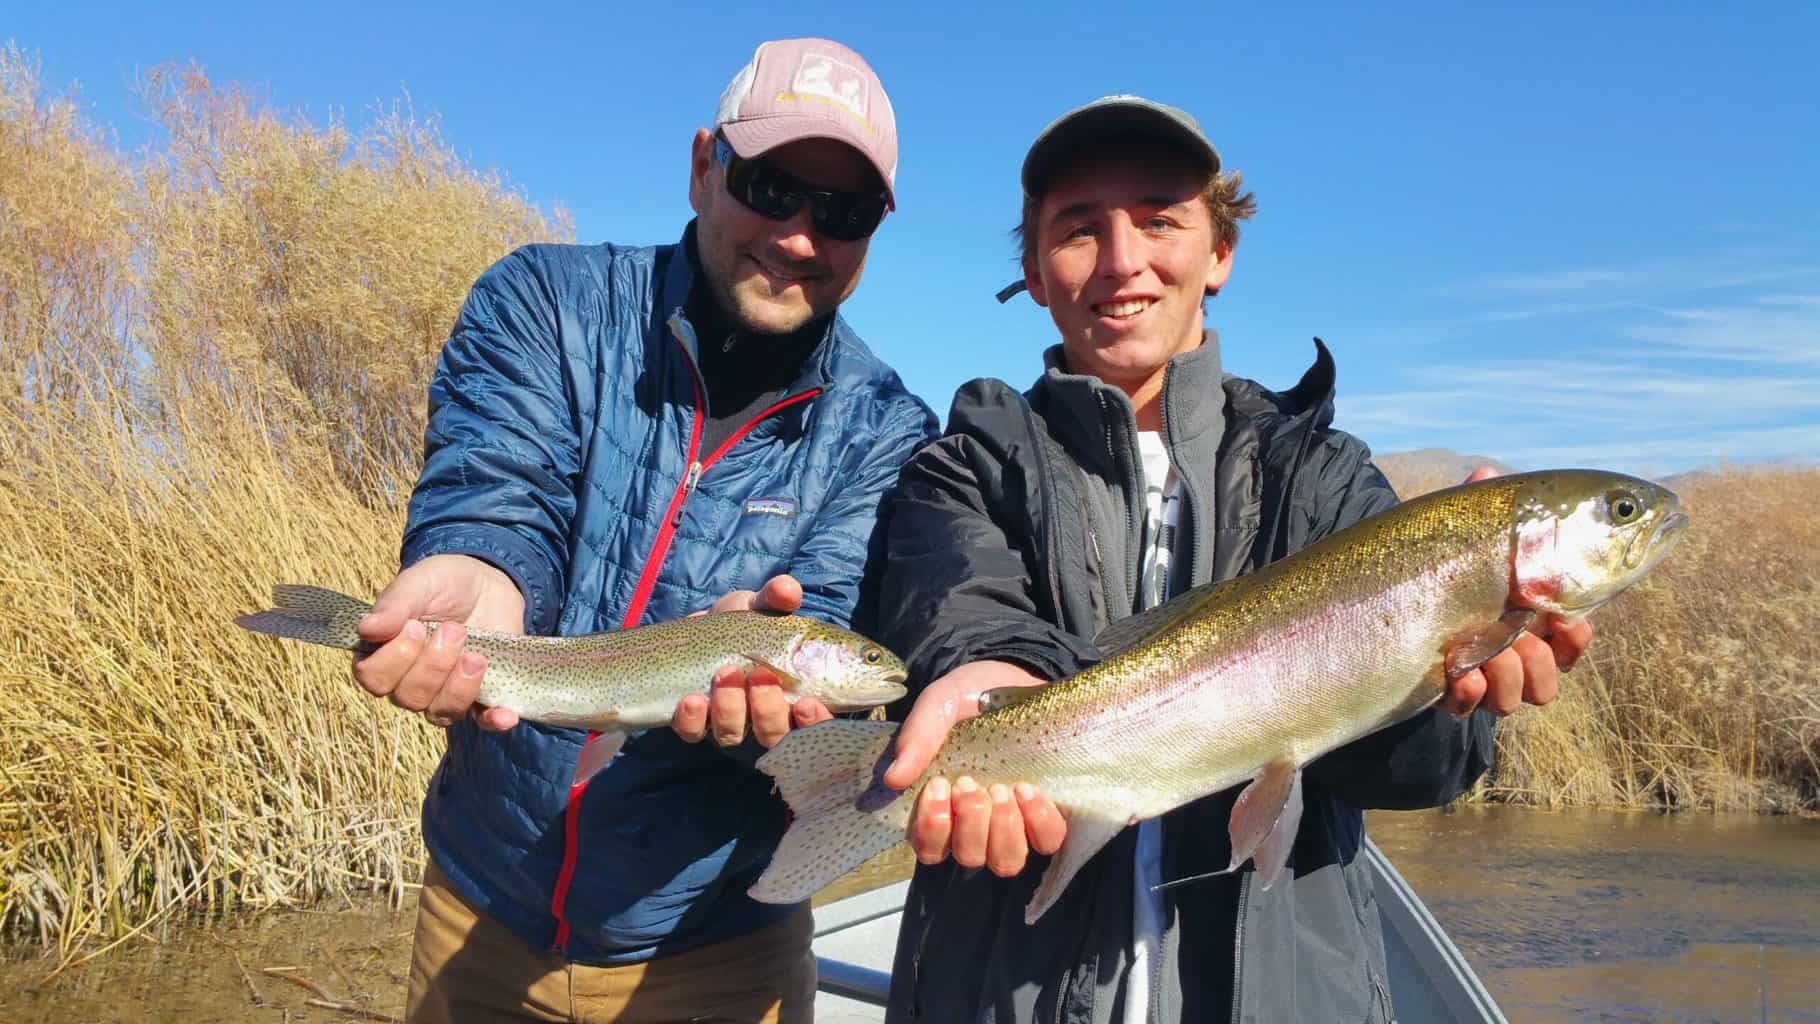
(1121, 116)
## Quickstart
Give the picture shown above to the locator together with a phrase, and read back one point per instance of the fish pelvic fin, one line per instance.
(1476, 646)
(1263, 826)
(311, 614)
(596, 754)
(842, 814)
(1275, 795)
(1088, 832)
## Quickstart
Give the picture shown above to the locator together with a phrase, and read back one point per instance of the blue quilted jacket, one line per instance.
(564, 447)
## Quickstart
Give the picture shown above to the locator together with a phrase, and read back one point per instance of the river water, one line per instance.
(1623, 917)
(1567, 917)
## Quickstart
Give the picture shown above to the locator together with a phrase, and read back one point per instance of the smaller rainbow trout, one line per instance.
(630, 679)
(1248, 680)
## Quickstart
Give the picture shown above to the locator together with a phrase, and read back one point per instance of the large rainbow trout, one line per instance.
(1247, 680)
(626, 680)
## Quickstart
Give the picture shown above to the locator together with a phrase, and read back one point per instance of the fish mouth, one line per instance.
(1645, 550)
(860, 700)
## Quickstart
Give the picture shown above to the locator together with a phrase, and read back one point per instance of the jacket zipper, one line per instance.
(1134, 484)
(1041, 451)
(1190, 492)
(647, 581)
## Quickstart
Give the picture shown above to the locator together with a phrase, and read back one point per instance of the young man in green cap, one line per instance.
(1135, 468)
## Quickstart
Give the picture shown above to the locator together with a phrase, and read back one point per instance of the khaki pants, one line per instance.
(468, 967)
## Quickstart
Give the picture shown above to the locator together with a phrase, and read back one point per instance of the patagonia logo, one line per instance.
(783, 507)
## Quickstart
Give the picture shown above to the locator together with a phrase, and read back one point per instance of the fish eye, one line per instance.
(872, 655)
(1625, 507)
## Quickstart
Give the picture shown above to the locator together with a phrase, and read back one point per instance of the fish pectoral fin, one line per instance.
(788, 680)
(1471, 648)
(1088, 833)
(1265, 818)
(596, 754)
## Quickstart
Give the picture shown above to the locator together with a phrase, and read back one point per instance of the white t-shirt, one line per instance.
(1162, 498)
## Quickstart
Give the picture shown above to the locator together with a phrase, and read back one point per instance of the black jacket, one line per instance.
(1014, 538)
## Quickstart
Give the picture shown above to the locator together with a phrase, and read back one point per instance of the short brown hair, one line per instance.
(1226, 203)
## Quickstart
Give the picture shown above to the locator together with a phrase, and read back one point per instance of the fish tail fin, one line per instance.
(313, 615)
(843, 815)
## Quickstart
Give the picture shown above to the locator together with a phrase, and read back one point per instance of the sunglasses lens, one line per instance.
(769, 192)
(761, 189)
(848, 217)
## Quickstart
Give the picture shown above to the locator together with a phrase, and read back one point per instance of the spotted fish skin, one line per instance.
(627, 679)
(1248, 680)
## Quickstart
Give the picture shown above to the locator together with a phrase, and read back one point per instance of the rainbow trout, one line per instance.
(626, 680)
(1247, 680)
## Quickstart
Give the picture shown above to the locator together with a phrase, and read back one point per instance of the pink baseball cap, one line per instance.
(796, 89)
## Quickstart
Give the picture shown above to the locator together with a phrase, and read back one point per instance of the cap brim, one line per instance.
(1107, 120)
(756, 136)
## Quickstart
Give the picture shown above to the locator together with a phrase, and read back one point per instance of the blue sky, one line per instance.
(1558, 235)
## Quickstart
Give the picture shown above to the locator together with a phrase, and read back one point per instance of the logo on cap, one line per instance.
(830, 79)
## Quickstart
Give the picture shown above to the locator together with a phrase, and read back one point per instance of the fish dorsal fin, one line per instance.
(1471, 648)
(1126, 633)
(1088, 833)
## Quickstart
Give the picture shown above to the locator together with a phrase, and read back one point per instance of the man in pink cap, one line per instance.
(621, 435)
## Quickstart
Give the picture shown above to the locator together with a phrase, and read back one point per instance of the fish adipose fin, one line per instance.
(1468, 650)
(1005, 696)
(843, 815)
(596, 754)
(1088, 833)
(313, 615)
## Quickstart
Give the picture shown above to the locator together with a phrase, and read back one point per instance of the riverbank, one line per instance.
(1567, 917)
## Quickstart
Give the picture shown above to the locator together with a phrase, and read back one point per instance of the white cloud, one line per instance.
(1637, 379)
(1633, 283)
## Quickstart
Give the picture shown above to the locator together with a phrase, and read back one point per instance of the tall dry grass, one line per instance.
(1699, 690)
(212, 362)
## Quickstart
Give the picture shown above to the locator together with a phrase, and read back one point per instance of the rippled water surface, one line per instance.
(1580, 916)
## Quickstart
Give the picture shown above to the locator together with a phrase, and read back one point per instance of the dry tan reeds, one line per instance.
(212, 362)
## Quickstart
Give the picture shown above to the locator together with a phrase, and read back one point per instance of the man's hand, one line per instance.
(753, 695)
(1526, 672)
(996, 827)
(426, 672)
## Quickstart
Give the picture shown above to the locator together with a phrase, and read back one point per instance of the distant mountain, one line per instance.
(1429, 469)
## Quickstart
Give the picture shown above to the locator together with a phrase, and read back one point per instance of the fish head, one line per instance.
(1582, 537)
(844, 670)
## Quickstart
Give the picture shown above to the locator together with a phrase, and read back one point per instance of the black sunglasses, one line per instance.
(777, 194)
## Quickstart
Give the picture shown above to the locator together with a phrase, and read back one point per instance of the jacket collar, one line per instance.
(1313, 395)
(672, 302)
(1194, 403)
